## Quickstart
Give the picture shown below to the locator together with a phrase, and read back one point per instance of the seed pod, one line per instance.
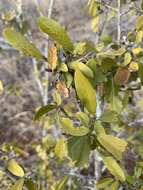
(122, 76)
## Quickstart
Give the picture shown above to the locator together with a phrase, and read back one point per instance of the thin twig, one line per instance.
(119, 21)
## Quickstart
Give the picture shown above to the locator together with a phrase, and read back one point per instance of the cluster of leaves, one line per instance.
(107, 72)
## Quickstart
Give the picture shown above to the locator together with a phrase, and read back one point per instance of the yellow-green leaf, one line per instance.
(139, 36)
(69, 128)
(114, 145)
(83, 117)
(103, 183)
(114, 186)
(95, 23)
(62, 183)
(139, 24)
(18, 185)
(112, 52)
(92, 7)
(61, 149)
(99, 129)
(15, 168)
(114, 167)
(127, 58)
(21, 43)
(85, 91)
(56, 32)
(82, 67)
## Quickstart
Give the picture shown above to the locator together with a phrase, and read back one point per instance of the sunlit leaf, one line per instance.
(81, 48)
(114, 167)
(134, 66)
(86, 92)
(15, 168)
(114, 186)
(18, 185)
(83, 117)
(61, 149)
(62, 183)
(92, 7)
(112, 52)
(21, 43)
(103, 183)
(69, 128)
(127, 58)
(139, 36)
(99, 129)
(95, 23)
(137, 51)
(56, 32)
(112, 144)
(82, 67)
(57, 98)
(139, 23)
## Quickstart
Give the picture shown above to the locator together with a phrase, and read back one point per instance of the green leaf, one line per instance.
(79, 150)
(18, 185)
(103, 183)
(44, 110)
(69, 128)
(109, 117)
(80, 48)
(107, 64)
(112, 144)
(85, 91)
(61, 149)
(62, 183)
(56, 32)
(142, 4)
(114, 167)
(30, 184)
(106, 39)
(18, 41)
(99, 129)
(82, 67)
(141, 72)
(14, 168)
(112, 53)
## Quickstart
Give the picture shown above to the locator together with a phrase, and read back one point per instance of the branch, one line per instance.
(119, 22)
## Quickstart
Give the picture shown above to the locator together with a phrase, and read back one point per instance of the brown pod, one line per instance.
(52, 57)
(122, 76)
